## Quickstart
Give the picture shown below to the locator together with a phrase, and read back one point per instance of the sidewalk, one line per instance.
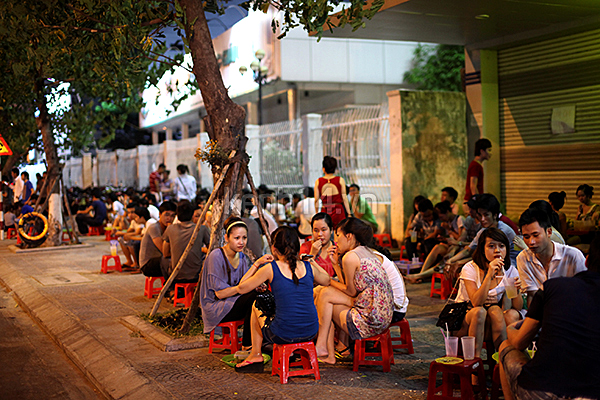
(80, 308)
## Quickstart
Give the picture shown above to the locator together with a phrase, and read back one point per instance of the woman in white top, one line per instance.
(185, 184)
(482, 284)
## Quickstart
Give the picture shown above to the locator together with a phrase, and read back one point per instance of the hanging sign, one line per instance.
(4, 149)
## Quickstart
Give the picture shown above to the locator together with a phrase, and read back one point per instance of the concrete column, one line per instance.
(312, 149)
(154, 137)
(253, 150)
(396, 182)
(292, 99)
(252, 113)
(490, 120)
(204, 171)
(169, 134)
(86, 170)
(95, 176)
(143, 168)
(170, 156)
(185, 131)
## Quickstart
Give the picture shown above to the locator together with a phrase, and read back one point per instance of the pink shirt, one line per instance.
(324, 263)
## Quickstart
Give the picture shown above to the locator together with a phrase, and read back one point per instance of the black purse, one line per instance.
(453, 315)
(265, 302)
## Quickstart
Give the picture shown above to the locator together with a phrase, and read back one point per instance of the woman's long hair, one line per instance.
(479, 255)
(285, 240)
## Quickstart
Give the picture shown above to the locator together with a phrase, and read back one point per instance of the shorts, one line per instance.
(352, 329)
(271, 338)
(513, 361)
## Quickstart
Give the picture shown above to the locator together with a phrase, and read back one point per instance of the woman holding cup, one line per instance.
(482, 284)
(321, 244)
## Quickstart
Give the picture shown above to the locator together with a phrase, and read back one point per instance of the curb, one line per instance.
(104, 366)
(159, 338)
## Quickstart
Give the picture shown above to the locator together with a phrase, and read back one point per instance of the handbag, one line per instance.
(265, 302)
(453, 315)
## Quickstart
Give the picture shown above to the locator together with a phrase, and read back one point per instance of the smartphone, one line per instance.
(306, 257)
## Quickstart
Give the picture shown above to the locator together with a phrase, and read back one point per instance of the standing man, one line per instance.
(27, 187)
(361, 208)
(483, 151)
(17, 185)
(156, 179)
(544, 259)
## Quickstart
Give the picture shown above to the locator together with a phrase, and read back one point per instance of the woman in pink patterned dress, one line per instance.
(362, 302)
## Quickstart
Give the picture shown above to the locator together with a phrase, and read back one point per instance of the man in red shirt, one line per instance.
(156, 179)
(483, 151)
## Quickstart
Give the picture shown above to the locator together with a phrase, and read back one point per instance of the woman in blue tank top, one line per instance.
(292, 283)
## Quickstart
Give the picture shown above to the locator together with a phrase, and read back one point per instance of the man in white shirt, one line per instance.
(544, 259)
(17, 185)
(305, 210)
(185, 184)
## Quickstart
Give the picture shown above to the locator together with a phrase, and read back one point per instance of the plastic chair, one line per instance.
(11, 233)
(384, 352)
(230, 339)
(149, 289)
(445, 288)
(188, 290)
(381, 239)
(95, 231)
(464, 370)
(405, 337)
(116, 266)
(308, 360)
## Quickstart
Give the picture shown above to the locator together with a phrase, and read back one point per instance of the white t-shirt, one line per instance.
(272, 224)
(118, 208)
(18, 189)
(566, 262)
(277, 210)
(305, 210)
(397, 283)
(470, 272)
(185, 187)
(154, 214)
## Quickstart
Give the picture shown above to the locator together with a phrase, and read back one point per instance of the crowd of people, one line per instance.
(332, 283)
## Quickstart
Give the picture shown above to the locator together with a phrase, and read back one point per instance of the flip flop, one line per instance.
(339, 354)
(250, 368)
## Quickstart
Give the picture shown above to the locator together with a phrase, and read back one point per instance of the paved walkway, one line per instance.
(80, 308)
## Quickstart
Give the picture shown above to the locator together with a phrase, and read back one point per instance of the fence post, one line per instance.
(396, 179)
(312, 149)
(86, 170)
(143, 167)
(170, 157)
(253, 150)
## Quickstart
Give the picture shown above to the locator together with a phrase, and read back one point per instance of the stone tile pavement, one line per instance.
(79, 308)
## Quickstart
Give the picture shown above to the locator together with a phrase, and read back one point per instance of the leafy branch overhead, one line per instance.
(437, 67)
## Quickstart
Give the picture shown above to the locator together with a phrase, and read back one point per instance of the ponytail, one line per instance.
(285, 240)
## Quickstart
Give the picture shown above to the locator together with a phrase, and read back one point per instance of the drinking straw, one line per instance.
(447, 330)
(443, 334)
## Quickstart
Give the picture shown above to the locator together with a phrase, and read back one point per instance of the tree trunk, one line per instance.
(52, 162)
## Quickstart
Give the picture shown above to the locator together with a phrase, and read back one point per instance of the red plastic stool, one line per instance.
(149, 289)
(496, 387)
(405, 337)
(65, 236)
(308, 361)
(464, 370)
(110, 235)
(95, 231)
(230, 340)
(11, 233)
(188, 289)
(116, 266)
(445, 288)
(380, 239)
(383, 351)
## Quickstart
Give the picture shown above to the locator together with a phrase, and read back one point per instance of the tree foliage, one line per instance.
(437, 68)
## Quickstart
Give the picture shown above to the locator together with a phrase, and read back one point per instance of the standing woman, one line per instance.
(331, 190)
(322, 241)
(292, 283)
(185, 184)
(362, 304)
(482, 285)
(223, 269)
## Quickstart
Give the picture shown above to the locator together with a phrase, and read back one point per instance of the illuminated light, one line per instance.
(260, 54)
(482, 16)
(243, 69)
(254, 66)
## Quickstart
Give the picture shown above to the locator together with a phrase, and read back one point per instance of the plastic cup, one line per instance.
(413, 236)
(113, 250)
(468, 345)
(451, 346)
(511, 289)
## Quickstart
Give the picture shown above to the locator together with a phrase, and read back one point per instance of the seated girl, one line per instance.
(362, 303)
(223, 269)
(292, 283)
(482, 285)
(322, 241)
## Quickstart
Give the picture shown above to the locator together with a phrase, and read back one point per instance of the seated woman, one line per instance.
(223, 269)
(557, 201)
(322, 241)
(427, 227)
(481, 284)
(292, 283)
(361, 304)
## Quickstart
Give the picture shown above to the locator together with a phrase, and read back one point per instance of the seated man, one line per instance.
(544, 259)
(450, 194)
(176, 239)
(85, 219)
(124, 238)
(565, 364)
(361, 208)
(152, 263)
(143, 220)
(428, 228)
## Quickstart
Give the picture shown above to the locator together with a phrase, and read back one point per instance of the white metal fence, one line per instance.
(359, 139)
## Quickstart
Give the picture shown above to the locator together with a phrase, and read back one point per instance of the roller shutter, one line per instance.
(532, 80)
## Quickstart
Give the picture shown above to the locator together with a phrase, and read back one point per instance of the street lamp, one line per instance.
(260, 73)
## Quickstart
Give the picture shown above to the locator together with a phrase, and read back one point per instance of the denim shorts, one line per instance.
(352, 329)
(269, 337)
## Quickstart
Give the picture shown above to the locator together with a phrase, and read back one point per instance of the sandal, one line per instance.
(250, 368)
(339, 354)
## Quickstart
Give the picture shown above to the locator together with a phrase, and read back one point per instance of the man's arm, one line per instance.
(473, 185)
(166, 249)
(520, 338)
